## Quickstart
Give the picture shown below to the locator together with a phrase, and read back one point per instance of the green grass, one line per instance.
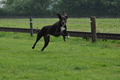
(104, 25)
(76, 59)
(108, 25)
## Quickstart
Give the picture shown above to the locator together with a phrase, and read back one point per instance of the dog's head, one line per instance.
(63, 18)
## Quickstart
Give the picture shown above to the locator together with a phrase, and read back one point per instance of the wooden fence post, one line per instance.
(93, 29)
(31, 27)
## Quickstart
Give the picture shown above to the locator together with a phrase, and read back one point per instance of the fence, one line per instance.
(91, 34)
(108, 25)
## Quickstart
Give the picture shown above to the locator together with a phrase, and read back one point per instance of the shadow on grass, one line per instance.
(80, 68)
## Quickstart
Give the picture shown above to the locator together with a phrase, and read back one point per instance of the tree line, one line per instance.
(49, 8)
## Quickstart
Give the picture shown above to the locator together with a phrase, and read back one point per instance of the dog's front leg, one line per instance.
(60, 34)
(64, 34)
(64, 38)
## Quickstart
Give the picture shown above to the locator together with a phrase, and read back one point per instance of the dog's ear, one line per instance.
(66, 17)
(59, 16)
(65, 14)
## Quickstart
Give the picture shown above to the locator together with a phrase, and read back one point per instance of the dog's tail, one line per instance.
(37, 30)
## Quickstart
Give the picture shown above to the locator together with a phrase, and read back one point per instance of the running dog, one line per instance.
(57, 29)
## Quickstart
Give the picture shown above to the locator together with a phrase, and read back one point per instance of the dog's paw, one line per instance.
(33, 47)
(65, 40)
(68, 36)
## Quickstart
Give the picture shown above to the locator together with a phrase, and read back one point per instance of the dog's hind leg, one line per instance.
(46, 40)
(39, 35)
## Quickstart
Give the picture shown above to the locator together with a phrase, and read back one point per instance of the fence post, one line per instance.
(31, 27)
(93, 29)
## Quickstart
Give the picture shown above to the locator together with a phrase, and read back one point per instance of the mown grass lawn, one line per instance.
(76, 59)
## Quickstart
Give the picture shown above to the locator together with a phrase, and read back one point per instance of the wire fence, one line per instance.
(43, 22)
(108, 25)
(103, 25)
(74, 24)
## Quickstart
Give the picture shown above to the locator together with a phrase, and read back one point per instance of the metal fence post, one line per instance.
(93, 29)
(31, 27)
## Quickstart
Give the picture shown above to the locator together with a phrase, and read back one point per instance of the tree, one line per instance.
(88, 7)
(71, 7)
(27, 7)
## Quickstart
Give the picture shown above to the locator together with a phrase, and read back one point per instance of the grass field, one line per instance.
(104, 25)
(76, 59)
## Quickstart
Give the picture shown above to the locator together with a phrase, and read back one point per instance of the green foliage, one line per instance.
(89, 7)
(72, 7)
(8, 2)
(27, 7)
(76, 59)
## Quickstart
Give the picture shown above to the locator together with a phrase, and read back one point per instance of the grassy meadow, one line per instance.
(76, 59)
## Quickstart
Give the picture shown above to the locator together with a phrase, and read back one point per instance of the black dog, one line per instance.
(57, 29)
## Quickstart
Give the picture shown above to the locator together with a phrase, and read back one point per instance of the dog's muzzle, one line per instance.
(63, 23)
